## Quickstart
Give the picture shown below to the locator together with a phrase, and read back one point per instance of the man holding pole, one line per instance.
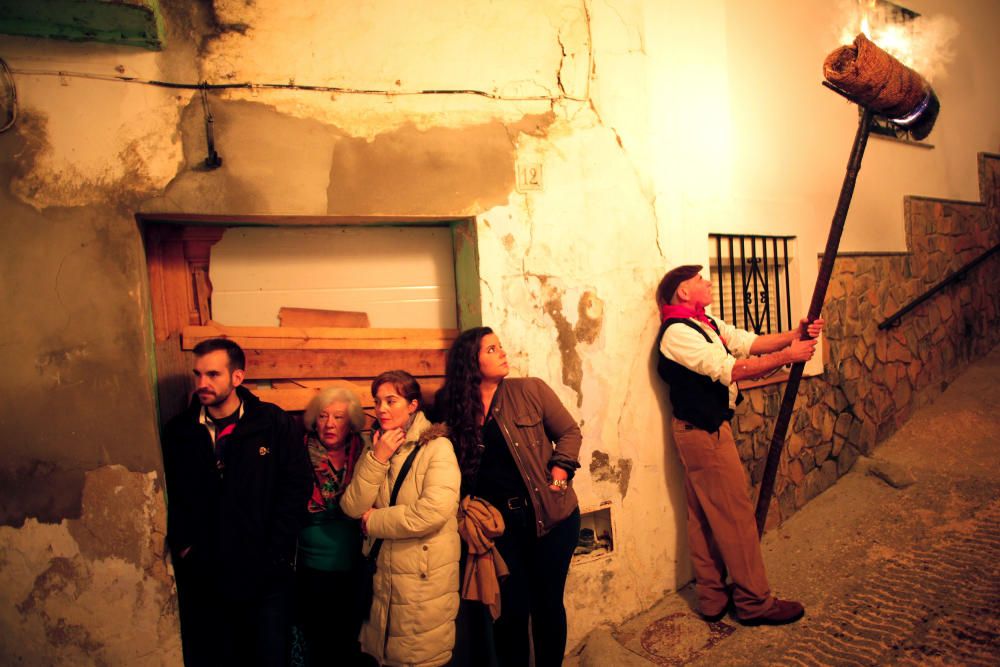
(702, 359)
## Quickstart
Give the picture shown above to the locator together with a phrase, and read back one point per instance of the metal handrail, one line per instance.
(960, 274)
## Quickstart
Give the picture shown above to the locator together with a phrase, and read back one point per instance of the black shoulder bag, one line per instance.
(371, 561)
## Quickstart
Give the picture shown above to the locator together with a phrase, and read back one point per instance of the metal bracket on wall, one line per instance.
(214, 160)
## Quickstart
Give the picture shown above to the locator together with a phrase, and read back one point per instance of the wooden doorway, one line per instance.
(287, 364)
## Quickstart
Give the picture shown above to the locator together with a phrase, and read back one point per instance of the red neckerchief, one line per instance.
(680, 312)
(669, 311)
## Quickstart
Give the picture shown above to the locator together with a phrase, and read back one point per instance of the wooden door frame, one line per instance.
(177, 253)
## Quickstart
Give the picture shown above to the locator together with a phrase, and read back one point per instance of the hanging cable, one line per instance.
(213, 161)
(247, 85)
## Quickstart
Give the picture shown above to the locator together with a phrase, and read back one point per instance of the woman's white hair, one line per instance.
(334, 395)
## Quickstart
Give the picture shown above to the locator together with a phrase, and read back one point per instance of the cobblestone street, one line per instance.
(929, 606)
(889, 576)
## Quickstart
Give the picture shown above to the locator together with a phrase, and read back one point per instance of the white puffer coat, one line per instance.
(412, 619)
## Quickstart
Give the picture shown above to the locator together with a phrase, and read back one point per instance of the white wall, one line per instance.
(401, 277)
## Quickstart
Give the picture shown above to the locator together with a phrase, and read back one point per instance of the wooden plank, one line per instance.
(347, 364)
(296, 399)
(298, 220)
(328, 344)
(361, 387)
(214, 328)
(322, 338)
(202, 295)
(292, 400)
(171, 291)
(316, 317)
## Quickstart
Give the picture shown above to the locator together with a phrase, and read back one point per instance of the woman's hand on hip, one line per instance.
(559, 477)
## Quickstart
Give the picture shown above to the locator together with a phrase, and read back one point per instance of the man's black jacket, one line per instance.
(242, 524)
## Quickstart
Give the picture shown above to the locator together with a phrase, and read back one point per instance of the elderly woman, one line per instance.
(518, 447)
(328, 593)
(415, 588)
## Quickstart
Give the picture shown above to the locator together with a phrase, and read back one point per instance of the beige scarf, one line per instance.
(479, 523)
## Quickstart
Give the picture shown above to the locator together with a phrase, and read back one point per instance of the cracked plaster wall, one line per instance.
(641, 115)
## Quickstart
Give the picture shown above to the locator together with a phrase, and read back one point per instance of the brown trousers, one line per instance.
(722, 532)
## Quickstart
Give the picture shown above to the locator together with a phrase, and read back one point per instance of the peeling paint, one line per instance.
(437, 171)
(602, 470)
(591, 317)
(40, 489)
(111, 525)
(606, 578)
(106, 163)
(67, 588)
(572, 364)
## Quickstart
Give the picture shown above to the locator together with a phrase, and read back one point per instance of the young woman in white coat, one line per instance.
(412, 617)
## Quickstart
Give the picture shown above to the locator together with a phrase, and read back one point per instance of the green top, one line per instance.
(330, 542)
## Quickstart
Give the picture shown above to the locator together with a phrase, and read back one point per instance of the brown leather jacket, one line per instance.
(540, 433)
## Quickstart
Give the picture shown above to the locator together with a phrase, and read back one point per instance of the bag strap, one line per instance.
(407, 464)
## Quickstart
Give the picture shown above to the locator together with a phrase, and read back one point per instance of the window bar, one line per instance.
(718, 264)
(754, 273)
(777, 280)
(767, 291)
(732, 278)
(788, 287)
(743, 277)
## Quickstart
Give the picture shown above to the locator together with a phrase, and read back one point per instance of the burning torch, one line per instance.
(880, 85)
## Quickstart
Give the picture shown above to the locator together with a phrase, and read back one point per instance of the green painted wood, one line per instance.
(470, 308)
(129, 22)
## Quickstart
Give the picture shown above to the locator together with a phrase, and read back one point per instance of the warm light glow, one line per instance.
(866, 28)
(921, 43)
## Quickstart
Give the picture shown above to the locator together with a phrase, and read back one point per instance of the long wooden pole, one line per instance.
(819, 294)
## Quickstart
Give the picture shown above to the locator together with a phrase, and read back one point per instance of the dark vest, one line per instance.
(696, 398)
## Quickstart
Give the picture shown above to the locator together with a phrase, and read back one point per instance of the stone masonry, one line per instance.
(873, 380)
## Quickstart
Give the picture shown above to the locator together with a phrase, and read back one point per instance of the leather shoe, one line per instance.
(713, 618)
(780, 613)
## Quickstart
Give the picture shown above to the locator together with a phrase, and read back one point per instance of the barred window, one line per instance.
(752, 282)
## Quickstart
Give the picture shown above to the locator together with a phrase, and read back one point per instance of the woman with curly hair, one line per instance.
(517, 448)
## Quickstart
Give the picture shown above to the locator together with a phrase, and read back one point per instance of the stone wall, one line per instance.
(872, 379)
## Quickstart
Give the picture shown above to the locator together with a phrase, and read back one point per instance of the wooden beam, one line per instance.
(322, 338)
(171, 291)
(317, 317)
(361, 387)
(353, 363)
(198, 242)
(298, 220)
(296, 398)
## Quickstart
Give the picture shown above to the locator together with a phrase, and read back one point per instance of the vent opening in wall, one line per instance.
(597, 535)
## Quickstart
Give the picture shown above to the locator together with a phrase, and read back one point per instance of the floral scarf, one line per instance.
(328, 482)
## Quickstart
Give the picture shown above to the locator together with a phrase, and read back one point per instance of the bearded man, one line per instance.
(238, 483)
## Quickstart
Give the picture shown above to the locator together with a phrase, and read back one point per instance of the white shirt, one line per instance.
(688, 348)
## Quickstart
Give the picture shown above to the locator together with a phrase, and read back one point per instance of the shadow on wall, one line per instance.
(672, 468)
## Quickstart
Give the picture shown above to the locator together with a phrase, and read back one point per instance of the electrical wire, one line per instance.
(11, 91)
(297, 86)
